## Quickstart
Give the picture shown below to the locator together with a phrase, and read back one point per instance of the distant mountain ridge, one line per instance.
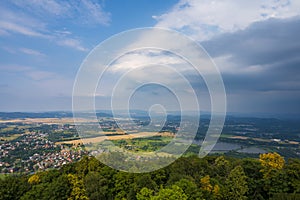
(23, 115)
(139, 114)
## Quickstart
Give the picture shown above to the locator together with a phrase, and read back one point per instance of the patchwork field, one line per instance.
(116, 137)
(10, 137)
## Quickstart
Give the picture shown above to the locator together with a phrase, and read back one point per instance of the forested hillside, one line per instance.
(269, 177)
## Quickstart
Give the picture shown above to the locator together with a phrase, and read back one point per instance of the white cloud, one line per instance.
(49, 6)
(137, 59)
(32, 18)
(63, 32)
(203, 19)
(31, 52)
(83, 11)
(93, 12)
(12, 27)
(20, 23)
(154, 56)
(27, 51)
(73, 43)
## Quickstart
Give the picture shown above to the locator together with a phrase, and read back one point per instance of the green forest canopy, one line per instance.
(212, 177)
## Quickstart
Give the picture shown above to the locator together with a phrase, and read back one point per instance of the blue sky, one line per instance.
(254, 44)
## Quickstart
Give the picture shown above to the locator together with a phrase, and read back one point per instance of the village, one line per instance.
(33, 152)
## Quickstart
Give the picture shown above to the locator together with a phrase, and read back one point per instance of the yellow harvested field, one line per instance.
(115, 137)
(246, 138)
(113, 132)
(293, 142)
(239, 137)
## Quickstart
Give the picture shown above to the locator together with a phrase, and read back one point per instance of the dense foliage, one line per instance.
(212, 177)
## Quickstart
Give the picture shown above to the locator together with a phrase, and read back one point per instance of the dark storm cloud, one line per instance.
(267, 42)
(273, 47)
(283, 76)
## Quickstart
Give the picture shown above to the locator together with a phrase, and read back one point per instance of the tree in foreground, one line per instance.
(173, 193)
(236, 184)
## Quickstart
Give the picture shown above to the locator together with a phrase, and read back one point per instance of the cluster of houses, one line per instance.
(34, 152)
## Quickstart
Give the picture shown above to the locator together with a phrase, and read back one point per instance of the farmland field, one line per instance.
(114, 137)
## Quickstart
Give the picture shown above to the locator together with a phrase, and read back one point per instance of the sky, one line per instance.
(254, 44)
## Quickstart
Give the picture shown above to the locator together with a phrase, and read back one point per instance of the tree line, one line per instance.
(212, 177)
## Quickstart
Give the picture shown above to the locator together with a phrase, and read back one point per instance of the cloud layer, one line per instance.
(36, 18)
(205, 19)
(260, 65)
(255, 45)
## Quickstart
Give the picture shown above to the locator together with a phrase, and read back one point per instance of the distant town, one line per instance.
(31, 149)
(36, 143)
